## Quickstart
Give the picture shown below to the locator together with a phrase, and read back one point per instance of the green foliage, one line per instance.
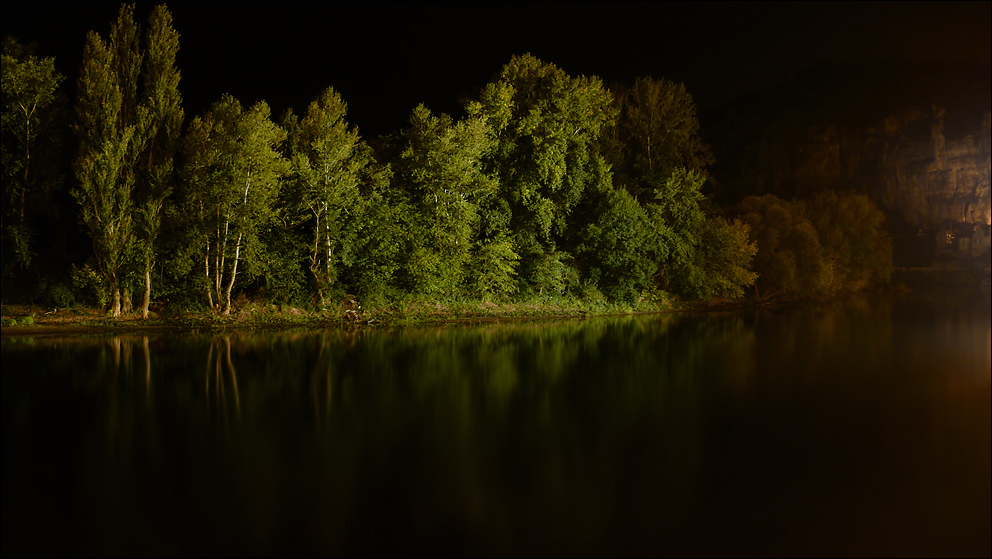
(619, 246)
(232, 180)
(28, 320)
(440, 170)
(87, 282)
(656, 134)
(493, 269)
(551, 272)
(678, 219)
(279, 261)
(383, 231)
(544, 123)
(328, 160)
(28, 91)
(721, 264)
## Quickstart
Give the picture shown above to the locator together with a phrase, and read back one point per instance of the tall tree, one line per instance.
(163, 102)
(328, 158)
(544, 123)
(102, 167)
(27, 95)
(657, 132)
(112, 127)
(232, 177)
(442, 164)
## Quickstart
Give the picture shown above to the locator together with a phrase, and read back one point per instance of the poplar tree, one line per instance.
(125, 164)
(112, 127)
(106, 149)
(161, 96)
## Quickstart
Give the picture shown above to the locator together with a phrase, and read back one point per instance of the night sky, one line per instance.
(385, 58)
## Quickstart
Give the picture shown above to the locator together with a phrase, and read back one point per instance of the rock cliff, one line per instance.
(923, 155)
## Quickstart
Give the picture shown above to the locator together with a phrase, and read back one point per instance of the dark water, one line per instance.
(860, 427)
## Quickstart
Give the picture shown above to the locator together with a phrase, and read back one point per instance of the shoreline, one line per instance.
(88, 321)
(259, 316)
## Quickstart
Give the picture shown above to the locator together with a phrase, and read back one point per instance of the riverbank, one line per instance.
(33, 320)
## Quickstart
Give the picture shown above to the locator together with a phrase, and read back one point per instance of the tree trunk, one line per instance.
(146, 299)
(234, 273)
(115, 305)
(126, 306)
(206, 263)
(219, 258)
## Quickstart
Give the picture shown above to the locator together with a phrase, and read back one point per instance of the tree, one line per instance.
(619, 245)
(678, 219)
(442, 166)
(113, 126)
(849, 227)
(165, 119)
(544, 123)
(27, 95)
(328, 158)
(721, 262)
(790, 261)
(106, 152)
(656, 133)
(232, 178)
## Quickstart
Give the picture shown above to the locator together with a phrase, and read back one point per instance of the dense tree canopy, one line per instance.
(549, 185)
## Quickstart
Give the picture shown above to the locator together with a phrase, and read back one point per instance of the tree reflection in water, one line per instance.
(747, 431)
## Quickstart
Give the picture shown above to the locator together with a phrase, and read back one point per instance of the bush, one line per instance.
(493, 270)
(87, 282)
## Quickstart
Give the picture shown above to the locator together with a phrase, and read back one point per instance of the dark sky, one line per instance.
(385, 57)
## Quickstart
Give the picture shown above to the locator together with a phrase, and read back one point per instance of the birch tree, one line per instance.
(327, 157)
(165, 118)
(232, 178)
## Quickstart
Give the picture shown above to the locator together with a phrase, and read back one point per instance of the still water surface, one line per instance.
(860, 427)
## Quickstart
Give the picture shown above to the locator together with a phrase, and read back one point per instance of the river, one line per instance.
(856, 427)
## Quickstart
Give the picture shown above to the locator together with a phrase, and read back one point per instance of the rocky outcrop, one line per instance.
(927, 166)
(935, 181)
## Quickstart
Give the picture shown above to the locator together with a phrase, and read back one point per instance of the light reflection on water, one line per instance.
(861, 427)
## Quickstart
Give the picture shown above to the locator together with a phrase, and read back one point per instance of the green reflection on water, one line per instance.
(640, 434)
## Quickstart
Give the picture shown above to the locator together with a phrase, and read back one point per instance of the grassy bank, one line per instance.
(349, 312)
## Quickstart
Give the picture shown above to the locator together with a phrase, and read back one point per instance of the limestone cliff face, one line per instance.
(906, 162)
(935, 181)
(929, 171)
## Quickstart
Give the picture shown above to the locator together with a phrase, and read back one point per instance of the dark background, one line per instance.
(387, 57)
